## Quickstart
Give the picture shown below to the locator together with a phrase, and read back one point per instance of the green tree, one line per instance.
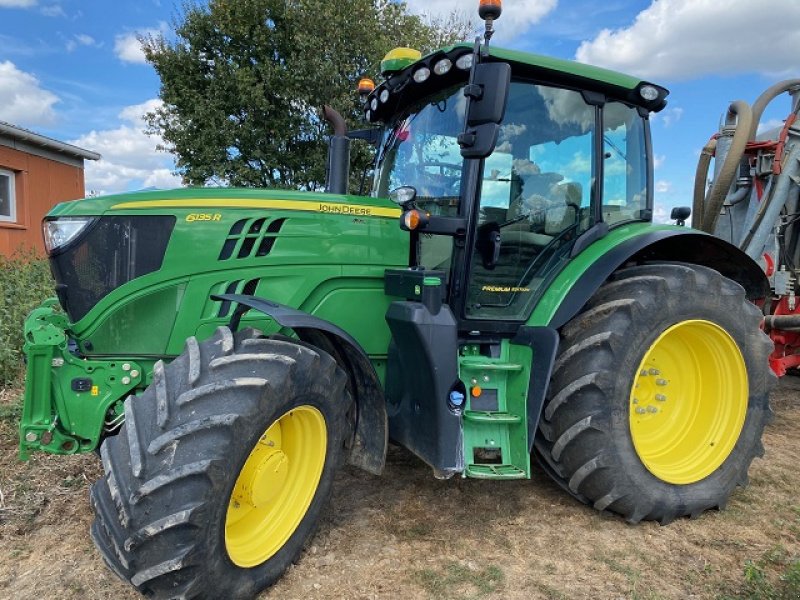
(243, 80)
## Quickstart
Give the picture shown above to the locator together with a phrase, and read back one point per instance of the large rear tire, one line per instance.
(222, 468)
(659, 394)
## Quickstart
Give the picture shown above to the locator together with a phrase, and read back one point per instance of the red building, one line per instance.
(36, 173)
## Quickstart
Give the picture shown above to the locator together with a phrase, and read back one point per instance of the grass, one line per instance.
(25, 281)
(463, 581)
(774, 576)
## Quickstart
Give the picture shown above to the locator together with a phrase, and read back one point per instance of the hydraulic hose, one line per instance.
(768, 96)
(700, 178)
(740, 113)
(785, 322)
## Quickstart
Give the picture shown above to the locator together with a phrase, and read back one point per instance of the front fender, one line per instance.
(371, 436)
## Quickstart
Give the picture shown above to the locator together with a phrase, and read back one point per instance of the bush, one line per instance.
(25, 281)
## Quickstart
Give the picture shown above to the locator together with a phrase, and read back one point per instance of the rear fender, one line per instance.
(665, 245)
(368, 450)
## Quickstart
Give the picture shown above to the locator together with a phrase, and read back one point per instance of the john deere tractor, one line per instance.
(502, 294)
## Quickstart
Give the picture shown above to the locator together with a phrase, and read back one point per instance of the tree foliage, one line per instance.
(242, 82)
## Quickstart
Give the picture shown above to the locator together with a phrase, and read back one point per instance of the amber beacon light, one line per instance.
(490, 9)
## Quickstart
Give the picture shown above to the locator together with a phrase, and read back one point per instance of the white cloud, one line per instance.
(769, 125)
(658, 160)
(128, 48)
(662, 186)
(22, 99)
(661, 214)
(682, 39)
(668, 117)
(54, 10)
(517, 16)
(80, 39)
(130, 159)
(17, 3)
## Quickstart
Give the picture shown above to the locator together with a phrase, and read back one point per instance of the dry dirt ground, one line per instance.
(407, 535)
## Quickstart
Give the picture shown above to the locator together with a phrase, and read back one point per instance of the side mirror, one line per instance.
(488, 244)
(403, 196)
(679, 214)
(488, 95)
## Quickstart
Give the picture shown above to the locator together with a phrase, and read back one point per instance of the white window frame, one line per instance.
(12, 196)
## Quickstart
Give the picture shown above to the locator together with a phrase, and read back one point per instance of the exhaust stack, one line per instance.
(338, 171)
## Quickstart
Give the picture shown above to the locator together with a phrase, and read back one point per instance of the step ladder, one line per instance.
(494, 419)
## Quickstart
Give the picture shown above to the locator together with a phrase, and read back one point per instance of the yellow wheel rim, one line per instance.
(275, 486)
(688, 402)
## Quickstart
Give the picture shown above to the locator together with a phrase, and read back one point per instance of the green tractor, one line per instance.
(226, 350)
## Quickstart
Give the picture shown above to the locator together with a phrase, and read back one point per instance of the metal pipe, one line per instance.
(770, 209)
(785, 322)
(338, 176)
(737, 196)
(740, 113)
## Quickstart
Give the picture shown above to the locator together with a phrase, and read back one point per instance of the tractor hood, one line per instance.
(119, 260)
(206, 199)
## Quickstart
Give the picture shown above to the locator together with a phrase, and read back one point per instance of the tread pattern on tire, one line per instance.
(168, 467)
(583, 441)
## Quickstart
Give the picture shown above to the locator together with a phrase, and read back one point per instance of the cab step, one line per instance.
(487, 416)
(494, 418)
(495, 472)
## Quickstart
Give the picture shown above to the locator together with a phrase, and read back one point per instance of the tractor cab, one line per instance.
(506, 165)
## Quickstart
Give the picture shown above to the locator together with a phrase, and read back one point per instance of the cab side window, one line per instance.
(624, 165)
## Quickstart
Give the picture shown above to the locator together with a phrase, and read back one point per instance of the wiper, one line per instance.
(622, 155)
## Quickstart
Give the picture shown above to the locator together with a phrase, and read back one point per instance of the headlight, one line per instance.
(443, 66)
(421, 74)
(464, 61)
(648, 92)
(60, 232)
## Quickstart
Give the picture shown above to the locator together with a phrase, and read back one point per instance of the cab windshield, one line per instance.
(421, 150)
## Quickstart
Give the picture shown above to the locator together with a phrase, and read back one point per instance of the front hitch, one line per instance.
(69, 401)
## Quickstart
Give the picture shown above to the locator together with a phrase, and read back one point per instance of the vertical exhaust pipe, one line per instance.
(338, 171)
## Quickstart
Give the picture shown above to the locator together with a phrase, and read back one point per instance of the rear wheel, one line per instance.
(222, 468)
(659, 395)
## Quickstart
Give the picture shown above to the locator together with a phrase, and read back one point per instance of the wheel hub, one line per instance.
(275, 486)
(688, 401)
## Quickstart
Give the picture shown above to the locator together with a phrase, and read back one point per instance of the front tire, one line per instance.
(659, 395)
(223, 466)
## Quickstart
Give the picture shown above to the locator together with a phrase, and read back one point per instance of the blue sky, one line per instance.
(72, 69)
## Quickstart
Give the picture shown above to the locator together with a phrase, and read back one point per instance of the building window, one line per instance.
(8, 202)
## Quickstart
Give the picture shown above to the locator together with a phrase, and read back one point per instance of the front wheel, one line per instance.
(222, 468)
(659, 395)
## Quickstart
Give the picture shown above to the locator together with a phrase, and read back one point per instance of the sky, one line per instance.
(73, 70)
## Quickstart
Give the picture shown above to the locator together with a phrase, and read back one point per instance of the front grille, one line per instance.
(110, 253)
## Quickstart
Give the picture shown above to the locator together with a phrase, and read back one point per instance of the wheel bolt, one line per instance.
(654, 372)
(661, 397)
(643, 372)
(661, 382)
(31, 437)
(640, 410)
(652, 409)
